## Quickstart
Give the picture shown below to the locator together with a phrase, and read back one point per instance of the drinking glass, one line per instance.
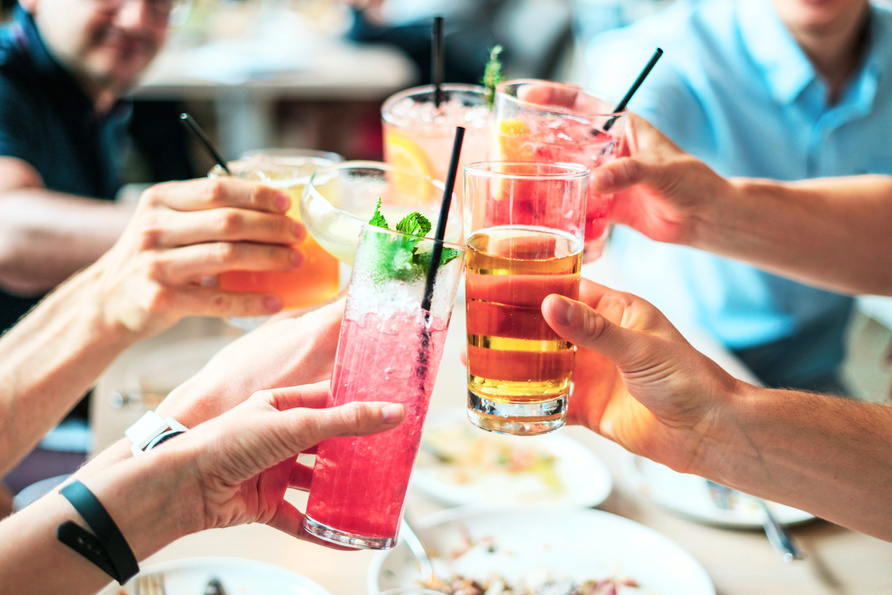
(317, 279)
(341, 198)
(389, 349)
(525, 237)
(559, 122)
(418, 135)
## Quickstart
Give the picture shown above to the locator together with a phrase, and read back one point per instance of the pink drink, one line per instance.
(389, 349)
(418, 136)
(359, 483)
(546, 131)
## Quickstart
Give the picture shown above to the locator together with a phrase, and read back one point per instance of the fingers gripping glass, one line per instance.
(174, 12)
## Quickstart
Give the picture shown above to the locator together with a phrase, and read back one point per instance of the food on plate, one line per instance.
(464, 455)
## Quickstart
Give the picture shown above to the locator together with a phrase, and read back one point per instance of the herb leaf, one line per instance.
(399, 257)
(414, 224)
(378, 219)
(492, 76)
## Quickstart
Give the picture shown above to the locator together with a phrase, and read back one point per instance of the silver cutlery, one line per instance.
(410, 536)
(723, 496)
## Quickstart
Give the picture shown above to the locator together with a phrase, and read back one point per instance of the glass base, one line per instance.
(339, 537)
(520, 419)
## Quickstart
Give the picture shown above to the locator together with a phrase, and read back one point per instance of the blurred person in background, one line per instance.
(64, 68)
(779, 89)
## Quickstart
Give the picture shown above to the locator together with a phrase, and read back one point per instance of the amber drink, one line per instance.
(519, 370)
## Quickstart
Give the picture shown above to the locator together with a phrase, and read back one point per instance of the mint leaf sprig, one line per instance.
(492, 76)
(400, 257)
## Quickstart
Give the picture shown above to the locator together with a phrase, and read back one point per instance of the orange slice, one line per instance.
(406, 154)
(514, 141)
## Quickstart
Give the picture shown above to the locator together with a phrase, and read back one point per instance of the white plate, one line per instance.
(549, 468)
(689, 496)
(564, 543)
(238, 576)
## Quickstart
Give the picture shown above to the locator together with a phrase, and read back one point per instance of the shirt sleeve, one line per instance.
(19, 124)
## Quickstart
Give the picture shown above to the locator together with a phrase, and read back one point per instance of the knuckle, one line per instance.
(226, 253)
(214, 191)
(220, 303)
(227, 222)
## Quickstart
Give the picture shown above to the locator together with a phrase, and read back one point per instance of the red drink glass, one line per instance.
(525, 238)
(544, 121)
(389, 349)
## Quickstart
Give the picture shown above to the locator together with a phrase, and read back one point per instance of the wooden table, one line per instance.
(740, 562)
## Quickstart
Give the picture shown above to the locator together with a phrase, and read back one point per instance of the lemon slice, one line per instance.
(406, 154)
(514, 142)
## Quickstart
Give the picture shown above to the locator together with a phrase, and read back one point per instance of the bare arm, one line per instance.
(639, 383)
(147, 282)
(46, 236)
(831, 232)
(230, 471)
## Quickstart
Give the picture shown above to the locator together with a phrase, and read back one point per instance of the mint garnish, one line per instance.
(400, 257)
(492, 76)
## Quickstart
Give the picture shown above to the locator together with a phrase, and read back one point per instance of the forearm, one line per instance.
(144, 496)
(46, 236)
(825, 455)
(833, 233)
(50, 359)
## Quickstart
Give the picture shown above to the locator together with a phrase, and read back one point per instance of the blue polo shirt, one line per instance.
(47, 120)
(735, 90)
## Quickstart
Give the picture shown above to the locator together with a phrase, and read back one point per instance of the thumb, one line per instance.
(622, 174)
(585, 327)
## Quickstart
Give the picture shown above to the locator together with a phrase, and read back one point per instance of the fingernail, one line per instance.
(297, 258)
(391, 413)
(603, 179)
(564, 310)
(272, 303)
(282, 201)
(300, 231)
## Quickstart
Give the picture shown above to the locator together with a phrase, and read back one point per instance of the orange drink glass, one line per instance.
(317, 279)
(525, 225)
(418, 136)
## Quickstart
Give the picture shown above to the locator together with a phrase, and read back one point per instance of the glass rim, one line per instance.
(400, 95)
(555, 108)
(286, 153)
(369, 227)
(562, 170)
(310, 188)
(294, 159)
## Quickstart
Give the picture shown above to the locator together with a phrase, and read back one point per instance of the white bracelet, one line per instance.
(151, 430)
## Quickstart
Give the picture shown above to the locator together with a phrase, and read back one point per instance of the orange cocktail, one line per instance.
(317, 279)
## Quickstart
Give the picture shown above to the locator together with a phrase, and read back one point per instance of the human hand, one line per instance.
(637, 381)
(183, 231)
(286, 351)
(661, 191)
(238, 466)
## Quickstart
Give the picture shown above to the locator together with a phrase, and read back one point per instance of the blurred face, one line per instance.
(821, 17)
(107, 43)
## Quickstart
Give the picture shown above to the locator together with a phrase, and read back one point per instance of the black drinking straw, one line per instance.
(437, 252)
(437, 61)
(192, 125)
(625, 100)
(436, 257)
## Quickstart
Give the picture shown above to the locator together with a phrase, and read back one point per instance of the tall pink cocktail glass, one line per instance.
(389, 349)
(551, 122)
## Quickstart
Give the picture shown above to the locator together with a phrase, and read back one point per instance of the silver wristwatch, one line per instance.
(151, 430)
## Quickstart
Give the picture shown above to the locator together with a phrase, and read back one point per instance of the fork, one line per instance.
(150, 584)
(777, 535)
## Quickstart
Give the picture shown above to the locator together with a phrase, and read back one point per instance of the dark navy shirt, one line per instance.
(47, 120)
